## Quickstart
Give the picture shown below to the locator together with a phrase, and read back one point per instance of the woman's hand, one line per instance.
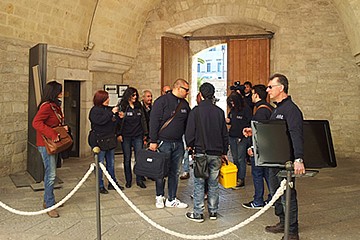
(120, 138)
(121, 114)
(115, 109)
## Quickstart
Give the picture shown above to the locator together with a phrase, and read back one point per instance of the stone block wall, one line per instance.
(13, 104)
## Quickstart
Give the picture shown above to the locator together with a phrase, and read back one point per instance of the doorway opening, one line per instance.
(72, 112)
(210, 65)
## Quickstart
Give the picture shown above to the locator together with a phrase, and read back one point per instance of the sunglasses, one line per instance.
(272, 86)
(186, 89)
(133, 95)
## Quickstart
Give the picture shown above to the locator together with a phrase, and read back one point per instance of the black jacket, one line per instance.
(103, 123)
(262, 113)
(215, 134)
(288, 111)
(238, 121)
(133, 124)
(162, 109)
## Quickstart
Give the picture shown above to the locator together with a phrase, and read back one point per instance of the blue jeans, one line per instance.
(259, 174)
(176, 150)
(214, 164)
(109, 155)
(280, 204)
(185, 165)
(49, 162)
(238, 151)
(128, 142)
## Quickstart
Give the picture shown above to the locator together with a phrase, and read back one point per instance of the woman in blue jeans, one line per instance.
(133, 131)
(104, 121)
(238, 118)
(49, 115)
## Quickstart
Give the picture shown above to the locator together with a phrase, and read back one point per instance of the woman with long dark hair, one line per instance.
(104, 121)
(133, 131)
(49, 115)
(238, 118)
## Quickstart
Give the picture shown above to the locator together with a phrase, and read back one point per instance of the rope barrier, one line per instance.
(278, 194)
(92, 167)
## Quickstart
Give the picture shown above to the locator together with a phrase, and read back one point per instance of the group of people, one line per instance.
(204, 128)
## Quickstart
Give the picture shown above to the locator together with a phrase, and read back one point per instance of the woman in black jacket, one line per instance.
(104, 120)
(133, 131)
(238, 118)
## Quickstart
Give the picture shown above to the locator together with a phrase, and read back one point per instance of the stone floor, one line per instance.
(328, 204)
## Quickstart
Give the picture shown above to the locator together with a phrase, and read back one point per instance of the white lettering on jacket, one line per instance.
(279, 116)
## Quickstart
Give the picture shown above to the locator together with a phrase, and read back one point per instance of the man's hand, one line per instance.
(120, 138)
(227, 120)
(153, 146)
(247, 132)
(299, 168)
(224, 159)
(250, 152)
(121, 114)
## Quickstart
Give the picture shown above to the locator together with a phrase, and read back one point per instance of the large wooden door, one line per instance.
(174, 60)
(248, 60)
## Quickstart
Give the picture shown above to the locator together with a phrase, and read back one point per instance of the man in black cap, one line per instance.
(207, 135)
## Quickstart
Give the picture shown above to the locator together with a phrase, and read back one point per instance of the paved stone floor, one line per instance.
(328, 204)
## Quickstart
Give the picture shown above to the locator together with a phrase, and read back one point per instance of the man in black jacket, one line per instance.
(207, 135)
(167, 137)
(262, 111)
(286, 110)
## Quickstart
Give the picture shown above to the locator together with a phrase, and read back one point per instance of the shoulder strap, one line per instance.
(171, 118)
(262, 106)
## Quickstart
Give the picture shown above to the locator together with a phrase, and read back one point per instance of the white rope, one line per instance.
(279, 193)
(92, 167)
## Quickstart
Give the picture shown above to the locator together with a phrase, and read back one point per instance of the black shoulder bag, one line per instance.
(201, 169)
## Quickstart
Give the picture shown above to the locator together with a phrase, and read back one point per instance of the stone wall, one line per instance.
(13, 104)
(309, 46)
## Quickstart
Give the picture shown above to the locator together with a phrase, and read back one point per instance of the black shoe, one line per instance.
(193, 217)
(111, 187)
(213, 216)
(141, 184)
(278, 228)
(128, 185)
(103, 191)
(292, 236)
(143, 178)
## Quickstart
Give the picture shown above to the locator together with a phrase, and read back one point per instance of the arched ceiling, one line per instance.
(118, 24)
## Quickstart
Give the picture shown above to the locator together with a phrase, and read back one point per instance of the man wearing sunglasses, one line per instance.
(286, 110)
(168, 119)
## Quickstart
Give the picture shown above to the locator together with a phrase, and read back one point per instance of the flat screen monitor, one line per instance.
(272, 144)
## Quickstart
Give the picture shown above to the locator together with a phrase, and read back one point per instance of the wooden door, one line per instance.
(248, 60)
(174, 60)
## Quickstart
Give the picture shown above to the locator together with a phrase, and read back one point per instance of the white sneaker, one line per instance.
(175, 203)
(159, 202)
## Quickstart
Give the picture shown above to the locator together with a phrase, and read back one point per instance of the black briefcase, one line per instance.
(151, 164)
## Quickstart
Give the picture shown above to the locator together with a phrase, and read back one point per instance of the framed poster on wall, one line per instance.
(115, 93)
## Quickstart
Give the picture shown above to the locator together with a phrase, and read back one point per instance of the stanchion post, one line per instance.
(289, 169)
(96, 151)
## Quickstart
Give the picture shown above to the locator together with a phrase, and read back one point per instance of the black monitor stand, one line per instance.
(289, 168)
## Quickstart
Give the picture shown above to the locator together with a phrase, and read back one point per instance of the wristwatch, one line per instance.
(299, 160)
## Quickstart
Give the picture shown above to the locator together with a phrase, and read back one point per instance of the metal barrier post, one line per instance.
(96, 150)
(289, 168)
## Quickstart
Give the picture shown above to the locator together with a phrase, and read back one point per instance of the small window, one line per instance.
(219, 66)
(198, 67)
(208, 67)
